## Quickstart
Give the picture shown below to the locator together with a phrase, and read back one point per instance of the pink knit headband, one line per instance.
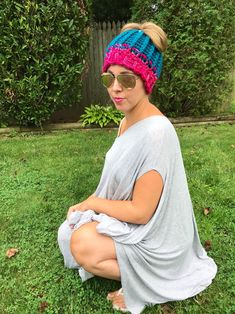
(133, 62)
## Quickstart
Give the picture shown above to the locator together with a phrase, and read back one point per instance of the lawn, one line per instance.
(42, 175)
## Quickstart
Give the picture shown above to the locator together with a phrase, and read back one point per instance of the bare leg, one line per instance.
(96, 253)
(107, 269)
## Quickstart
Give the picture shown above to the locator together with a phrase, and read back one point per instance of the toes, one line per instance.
(111, 295)
(118, 301)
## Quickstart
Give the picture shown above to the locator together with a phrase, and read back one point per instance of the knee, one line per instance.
(64, 233)
(80, 246)
(77, 242)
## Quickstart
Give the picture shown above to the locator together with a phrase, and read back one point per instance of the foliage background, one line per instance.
(101, 116)
(43, 47)
(42, 54)
(115, 10)
(197, 70)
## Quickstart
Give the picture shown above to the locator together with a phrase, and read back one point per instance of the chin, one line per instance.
(120, 108)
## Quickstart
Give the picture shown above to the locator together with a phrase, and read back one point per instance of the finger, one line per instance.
(75, 207)
(72, 208)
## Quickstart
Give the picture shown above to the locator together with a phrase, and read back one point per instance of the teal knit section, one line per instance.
(142, 46)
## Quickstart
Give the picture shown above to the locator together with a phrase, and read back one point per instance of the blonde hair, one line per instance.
(155, 32)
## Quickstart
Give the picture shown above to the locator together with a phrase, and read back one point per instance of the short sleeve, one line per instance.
(158, 153)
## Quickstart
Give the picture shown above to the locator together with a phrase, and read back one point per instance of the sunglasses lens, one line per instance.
(127, 80)
(107, 79)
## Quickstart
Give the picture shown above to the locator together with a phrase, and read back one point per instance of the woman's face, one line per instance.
(125, 99)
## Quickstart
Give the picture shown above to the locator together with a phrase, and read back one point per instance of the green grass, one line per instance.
(42, 175)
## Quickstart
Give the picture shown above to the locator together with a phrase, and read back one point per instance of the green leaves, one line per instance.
(43, 45)
(200, 56)
(101, 115)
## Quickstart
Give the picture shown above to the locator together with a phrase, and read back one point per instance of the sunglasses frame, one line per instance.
(119, 81)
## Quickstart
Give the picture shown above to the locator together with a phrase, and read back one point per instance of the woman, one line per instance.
(139, 226)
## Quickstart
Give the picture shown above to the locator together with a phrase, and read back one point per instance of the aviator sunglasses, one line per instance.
(127, 80)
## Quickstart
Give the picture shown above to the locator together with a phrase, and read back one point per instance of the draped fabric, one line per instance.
(162, 260)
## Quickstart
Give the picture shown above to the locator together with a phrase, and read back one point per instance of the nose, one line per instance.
(116, 86)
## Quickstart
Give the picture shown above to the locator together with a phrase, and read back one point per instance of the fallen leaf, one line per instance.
(166, 309)
(201, 299)
(43, 306)
(207, 211)
(197, 300)
(11, 252)
(207, 245)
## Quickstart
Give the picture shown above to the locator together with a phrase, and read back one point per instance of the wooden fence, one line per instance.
(93, 91)
(101, 34)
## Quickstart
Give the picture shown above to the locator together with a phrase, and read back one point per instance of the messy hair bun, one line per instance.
(155, 32)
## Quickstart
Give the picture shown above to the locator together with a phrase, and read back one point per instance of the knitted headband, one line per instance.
(134, 50)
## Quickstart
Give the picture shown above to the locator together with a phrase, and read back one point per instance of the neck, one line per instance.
(142, 110)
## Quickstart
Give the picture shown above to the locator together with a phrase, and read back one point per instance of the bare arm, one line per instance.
(139, 210)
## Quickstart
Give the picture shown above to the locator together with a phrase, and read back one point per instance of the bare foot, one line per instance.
(119, 303)
(117, 299)
(111, 295)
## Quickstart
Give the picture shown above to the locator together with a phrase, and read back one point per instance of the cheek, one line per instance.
(138, 93)
(109, 91)
(140, 89)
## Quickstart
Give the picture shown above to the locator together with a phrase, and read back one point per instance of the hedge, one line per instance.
(201, 53)
(43, 47)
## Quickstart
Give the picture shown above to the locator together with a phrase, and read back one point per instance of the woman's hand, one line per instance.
(83, 206)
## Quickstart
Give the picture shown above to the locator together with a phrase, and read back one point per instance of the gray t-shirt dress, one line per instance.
(164, 259)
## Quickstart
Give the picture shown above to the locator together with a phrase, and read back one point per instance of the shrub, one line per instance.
(119, 10)
(101, 115)
(42, 54)
(3, 119)
(200, 56)
(232, 107)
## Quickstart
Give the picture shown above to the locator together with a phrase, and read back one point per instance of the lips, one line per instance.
(118, 99)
